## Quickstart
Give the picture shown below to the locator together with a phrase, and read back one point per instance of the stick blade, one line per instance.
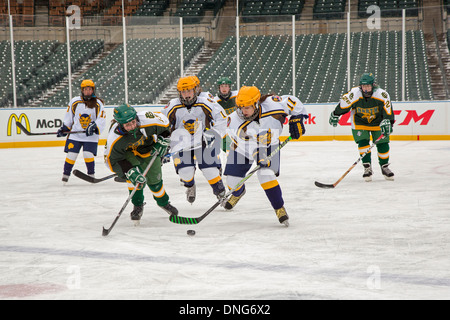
(83, 176)
(324, 186)
(105, 232)
(183, 220)
(21, 127)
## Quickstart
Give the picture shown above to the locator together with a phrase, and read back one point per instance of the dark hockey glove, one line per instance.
(91, 129)
(296, 125)
(260, 156)
(62, 132)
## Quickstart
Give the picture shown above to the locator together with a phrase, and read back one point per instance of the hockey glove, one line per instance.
(260, 158)
(296, 126)
(334, 119)
(62, 132)
(208, 138)
(135, 176)
(161, 145)
(91, 129)
(386, 127)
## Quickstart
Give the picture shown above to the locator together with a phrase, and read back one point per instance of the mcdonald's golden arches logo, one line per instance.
(12, 117)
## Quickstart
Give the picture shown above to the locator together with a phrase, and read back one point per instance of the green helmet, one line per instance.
(367, 78)
(124, 113)
(224, 80)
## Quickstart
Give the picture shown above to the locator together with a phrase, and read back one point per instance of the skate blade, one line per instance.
(137, 223)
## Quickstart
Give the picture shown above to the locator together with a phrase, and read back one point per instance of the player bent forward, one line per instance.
(254, 129)
(132, 141)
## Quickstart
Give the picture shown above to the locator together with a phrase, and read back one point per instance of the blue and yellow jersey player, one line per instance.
(255, 129)
(200, 123)
(84, 113)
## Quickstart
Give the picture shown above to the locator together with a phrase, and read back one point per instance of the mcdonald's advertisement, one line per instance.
(425, 120)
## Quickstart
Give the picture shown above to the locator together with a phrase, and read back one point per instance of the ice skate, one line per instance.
(231, 203)
(65, 178)
(387, 173)
(282, 216)
(219, 190)
(367, 172)
(137, 213)
(170, 209)
(190, 194)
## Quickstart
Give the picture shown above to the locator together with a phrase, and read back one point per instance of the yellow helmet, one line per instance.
(196, 80)
(248, 96)
(187, 83)
(87, 83)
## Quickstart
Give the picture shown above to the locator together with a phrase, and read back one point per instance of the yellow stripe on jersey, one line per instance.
(241, 127)
(291, 104)
(74, 105)
(111, 147)
(174, 108)
(273, 112)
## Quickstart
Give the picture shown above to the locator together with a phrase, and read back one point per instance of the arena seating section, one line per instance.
(153, 64)
(321, 64)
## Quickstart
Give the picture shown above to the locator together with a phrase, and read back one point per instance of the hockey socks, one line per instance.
(273, 193)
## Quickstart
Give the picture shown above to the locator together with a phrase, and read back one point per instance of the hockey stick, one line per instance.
(28, 133)
(184, 220)
(107, 231)
(85, 177)
(332, 186)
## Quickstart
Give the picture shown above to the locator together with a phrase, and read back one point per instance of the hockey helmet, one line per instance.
(367, 78)
(224, 80)
(248, 96)
(188, 83)
(87, 83)
(124, 114)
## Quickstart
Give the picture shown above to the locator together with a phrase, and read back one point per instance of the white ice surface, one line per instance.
(377, 240)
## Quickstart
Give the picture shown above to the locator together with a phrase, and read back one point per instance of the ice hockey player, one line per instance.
(227, 99)
(85, 112)
(196, 122)
(371, 115)
(255, 128)
(225, 96)
(132, 141)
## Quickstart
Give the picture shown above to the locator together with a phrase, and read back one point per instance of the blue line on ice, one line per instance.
(399, 278)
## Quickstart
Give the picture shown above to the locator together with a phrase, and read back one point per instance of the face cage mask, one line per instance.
(189, 101)
(249, 118)
(366, 94)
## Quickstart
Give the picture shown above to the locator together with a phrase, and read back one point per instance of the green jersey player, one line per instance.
(227, 99)
(371, 115)
(132, 141)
